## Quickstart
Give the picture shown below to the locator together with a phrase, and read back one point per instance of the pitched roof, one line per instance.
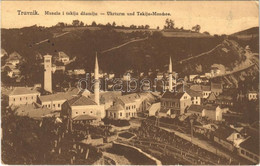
(172, 95)
(23, 91)
(251, 144)
(84, 117)
(130, 98)
(62, 55)
(205, 88)
(32, 111)
(196, 108)
(164, 110)
(81, 100)
(55, 97)
(155, 107)
(212, 97)
(223, 132)
(216, 85)
(14, 56)
(196, 87)
(210, 107)
(116, 107)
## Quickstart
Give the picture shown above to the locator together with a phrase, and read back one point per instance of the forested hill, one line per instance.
(141, 55)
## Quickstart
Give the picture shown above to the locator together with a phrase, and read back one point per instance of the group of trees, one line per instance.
(169, 24)
(78, 23)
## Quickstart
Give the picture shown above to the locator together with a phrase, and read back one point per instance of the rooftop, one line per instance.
(62, 55)
(251, 144)
(23, 91)
(172, 95)
(81, 100)
(116, 107)
(196, 108)
(130, 98)
(84, 117)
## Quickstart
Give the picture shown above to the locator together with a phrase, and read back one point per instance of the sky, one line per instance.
(216, 17)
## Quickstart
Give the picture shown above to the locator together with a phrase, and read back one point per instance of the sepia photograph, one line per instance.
(129, 82)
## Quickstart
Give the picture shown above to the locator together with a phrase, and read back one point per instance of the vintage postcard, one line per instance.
(130, 82)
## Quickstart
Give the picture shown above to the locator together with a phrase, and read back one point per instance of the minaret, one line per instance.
(170, 75)
(47, 73)
(96, 86)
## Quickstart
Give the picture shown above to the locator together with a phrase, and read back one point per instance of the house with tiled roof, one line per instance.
(3, 52)
(116, 111)
(14, 58)
(54, 101)
(22, 96)
(176, 101)
(216, 88)
(221, 135)
(249, 149)
(82, 105)
(209, 111)
(62, 57)
(33, 111)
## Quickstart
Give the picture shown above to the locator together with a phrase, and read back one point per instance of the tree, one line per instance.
(114, 24)
(207, 33)
(196, 28)
(146, 26)
(75, 23)
(60, 24)
(169, 24)
(108, 24)
(81, 23)
(94, 24)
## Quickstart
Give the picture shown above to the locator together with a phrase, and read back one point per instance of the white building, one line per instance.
(48, 73)
(251, 95)
(23, 95)
(64, 58)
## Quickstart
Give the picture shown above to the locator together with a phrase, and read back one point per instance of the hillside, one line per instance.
(248, 37)
(137, 50)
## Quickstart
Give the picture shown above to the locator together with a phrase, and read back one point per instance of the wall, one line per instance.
(248, 155)
(23, 99)
(92, 110)
(53, 105)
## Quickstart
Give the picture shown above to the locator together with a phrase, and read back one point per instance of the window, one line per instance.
(14, 99)
(26, 98)
(32, 97)
(53, 105)
(58, 105)
(20, 99)
(242, 151)
(120, 113)
(76, 112)
(49, 106)
(83, 112)
(91, 112)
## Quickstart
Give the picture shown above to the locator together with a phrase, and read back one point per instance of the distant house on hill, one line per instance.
(64, 58)
(3, 53)
(252, 95)
(216, 88)
(14, 58)
(209, 111)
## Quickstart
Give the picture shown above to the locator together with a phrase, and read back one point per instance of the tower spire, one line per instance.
(96, 86)
(170, 74)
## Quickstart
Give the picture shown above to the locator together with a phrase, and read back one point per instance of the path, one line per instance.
(122, 45)
(201, 143)
(119, 160)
